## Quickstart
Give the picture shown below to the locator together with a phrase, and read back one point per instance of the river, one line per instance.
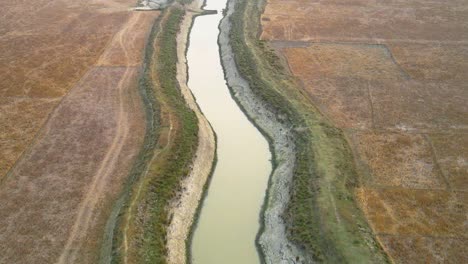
(230, 216)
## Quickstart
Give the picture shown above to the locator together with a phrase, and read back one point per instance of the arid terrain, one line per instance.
(46, 48)
(104, 152)
(72, 123)
(392, 75)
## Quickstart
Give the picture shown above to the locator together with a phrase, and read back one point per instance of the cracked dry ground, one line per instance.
(72, 123)
(392, 75)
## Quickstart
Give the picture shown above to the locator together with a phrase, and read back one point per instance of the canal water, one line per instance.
(230, 216)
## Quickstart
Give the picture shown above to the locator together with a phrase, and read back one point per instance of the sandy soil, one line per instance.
(58, 197)
(185, 205)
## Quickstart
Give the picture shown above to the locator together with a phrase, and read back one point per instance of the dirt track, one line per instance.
(56, 201)
(47, 47)
(108, 164)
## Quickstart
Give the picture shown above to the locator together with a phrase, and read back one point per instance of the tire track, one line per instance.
(89, 204)
(140, 187)
(164, 107)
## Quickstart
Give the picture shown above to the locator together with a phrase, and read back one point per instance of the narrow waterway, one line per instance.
(229, 219)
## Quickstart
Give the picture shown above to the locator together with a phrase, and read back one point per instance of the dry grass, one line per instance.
(133, 38)
(393, 76)
(452, 155)
(20, 118)
(40, 200)
(46, 47)
(338, 78)
(41, 66)
(419, 249)
(415, 212)
(57, 198)
(399, 159)
(358, 20)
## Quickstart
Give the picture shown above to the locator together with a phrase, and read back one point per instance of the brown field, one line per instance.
(46, 47)
(418, 226)
(407, 155)
(58, 195)
(452, 155)
(429, 249)
(392, 75)
(133, 39)
(20, 119)
(364, 20)
(41, 197)
(407, 211)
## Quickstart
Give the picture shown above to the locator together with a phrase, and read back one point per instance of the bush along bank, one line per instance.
(321, 218)
(139, 235)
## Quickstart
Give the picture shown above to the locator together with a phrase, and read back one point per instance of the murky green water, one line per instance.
(229, 220)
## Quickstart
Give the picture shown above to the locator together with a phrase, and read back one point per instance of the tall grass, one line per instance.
(163, 99)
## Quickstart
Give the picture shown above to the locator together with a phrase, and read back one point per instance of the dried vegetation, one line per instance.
(392, 75)
(85, 116)
(46, 48)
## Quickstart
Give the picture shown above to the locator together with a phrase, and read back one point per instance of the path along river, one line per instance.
(230, 214)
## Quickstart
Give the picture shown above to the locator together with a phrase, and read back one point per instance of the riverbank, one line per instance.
(321, 215)
(142, 218)
(274, 245)
(184, 207)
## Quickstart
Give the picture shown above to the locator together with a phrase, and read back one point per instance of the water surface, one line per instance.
(229, 219)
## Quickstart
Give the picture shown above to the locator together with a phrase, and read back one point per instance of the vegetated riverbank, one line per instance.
(186, 204)
(320, 217)
(139, 226)
(274, 243)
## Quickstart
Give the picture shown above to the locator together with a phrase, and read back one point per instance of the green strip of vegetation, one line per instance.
(322, 216)
(163, 100)
(166, 181)
(110, 252)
